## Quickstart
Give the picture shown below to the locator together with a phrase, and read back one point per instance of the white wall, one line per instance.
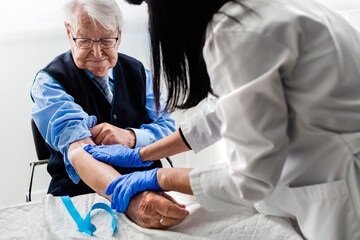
(31, 35)
(342, 5)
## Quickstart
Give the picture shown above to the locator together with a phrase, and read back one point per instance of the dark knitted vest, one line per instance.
(127, 110)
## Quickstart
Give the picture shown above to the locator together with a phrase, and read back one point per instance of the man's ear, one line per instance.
(67, 26)
(119, 36)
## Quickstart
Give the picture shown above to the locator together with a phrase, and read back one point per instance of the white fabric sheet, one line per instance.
(48, 218)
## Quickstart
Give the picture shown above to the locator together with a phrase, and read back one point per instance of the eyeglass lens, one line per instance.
(88, 43)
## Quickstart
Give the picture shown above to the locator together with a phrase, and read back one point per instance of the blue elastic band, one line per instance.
(106, 208)
(85, 225)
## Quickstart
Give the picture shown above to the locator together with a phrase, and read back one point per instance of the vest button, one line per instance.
(114, 116)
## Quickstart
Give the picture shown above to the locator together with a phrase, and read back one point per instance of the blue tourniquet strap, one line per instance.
(85, 225)
(106, 208)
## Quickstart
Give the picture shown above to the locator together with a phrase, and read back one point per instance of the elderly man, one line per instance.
(94, 83)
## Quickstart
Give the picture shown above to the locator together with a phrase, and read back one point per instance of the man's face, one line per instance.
(96, 60)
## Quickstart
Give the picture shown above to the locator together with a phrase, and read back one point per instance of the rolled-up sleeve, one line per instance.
(59, 119)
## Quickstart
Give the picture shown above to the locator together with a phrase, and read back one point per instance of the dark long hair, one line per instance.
(177, 30)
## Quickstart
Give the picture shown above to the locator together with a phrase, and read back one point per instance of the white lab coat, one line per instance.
(288, 81)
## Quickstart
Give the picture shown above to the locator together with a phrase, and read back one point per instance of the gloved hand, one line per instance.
(128, 185)
(117, 155)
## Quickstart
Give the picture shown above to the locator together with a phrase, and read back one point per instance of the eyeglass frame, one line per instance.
(93, 41)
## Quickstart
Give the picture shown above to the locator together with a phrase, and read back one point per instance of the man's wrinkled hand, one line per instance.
(107, 134)
(147, 208)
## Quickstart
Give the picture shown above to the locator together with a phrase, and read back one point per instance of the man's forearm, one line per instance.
(144, 208)
(97, 175)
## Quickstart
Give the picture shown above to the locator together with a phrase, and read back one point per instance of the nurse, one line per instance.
(282, 82)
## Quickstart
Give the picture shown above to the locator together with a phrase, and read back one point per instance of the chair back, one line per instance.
(42, 150)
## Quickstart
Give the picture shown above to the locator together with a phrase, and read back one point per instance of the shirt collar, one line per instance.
(110, 74)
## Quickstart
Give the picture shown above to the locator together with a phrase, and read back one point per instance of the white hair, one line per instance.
(103, 11)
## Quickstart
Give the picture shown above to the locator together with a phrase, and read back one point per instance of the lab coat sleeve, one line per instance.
(202, 129)
(246, 71)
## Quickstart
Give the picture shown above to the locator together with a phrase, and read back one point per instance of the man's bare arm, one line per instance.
(144, 209)
(97, 175)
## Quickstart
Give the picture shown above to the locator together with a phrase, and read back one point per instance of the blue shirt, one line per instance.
(61, 121)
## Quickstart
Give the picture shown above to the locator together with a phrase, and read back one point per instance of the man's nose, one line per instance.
(97, 51)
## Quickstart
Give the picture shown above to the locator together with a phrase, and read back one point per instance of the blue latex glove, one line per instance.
(117, 155)
(126, 186)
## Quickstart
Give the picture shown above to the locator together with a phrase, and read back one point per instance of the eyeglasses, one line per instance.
(87, 43)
